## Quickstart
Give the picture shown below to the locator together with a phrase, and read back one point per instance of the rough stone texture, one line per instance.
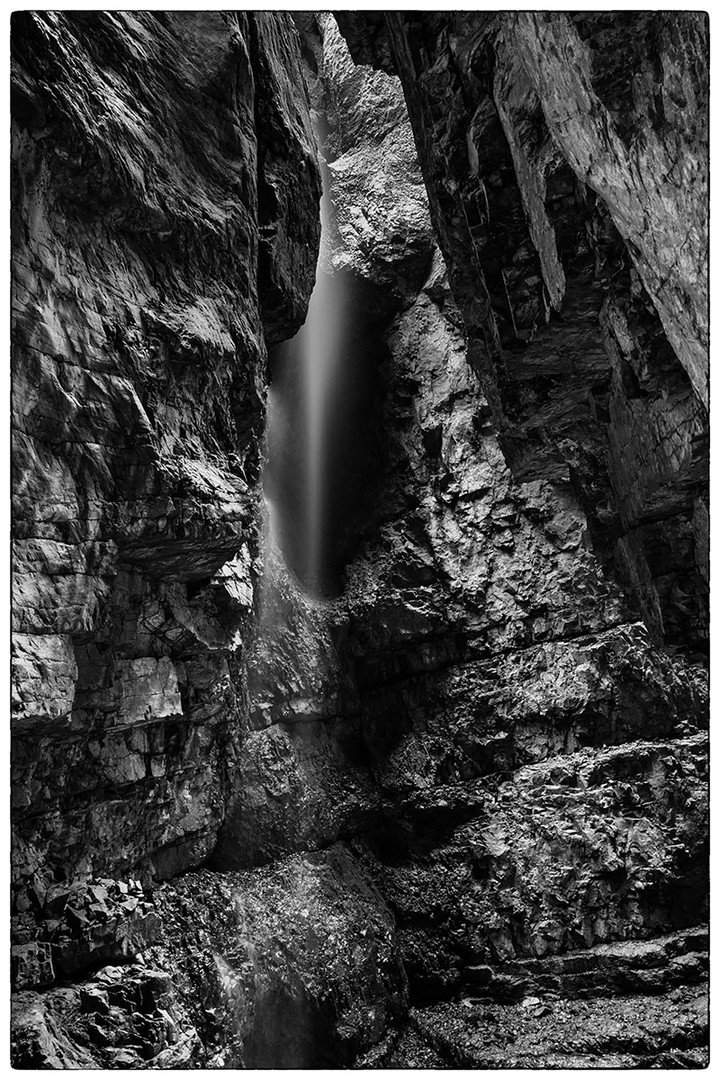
(121, 1018)
(648, 164)
(475, 782)
(621, 1033)
(566, 164)
(486, 638)
(569, 853)
(522, 762)
(107, 1008)
(292, 965)
(157, 243)
(380, 233)
(214, 966)
(297, 783)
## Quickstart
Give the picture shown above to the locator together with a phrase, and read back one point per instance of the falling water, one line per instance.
(305, 401)
(321, 410)
(321, 401)
(319, 342)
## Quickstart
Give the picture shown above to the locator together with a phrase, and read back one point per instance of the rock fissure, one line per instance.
(438, 798)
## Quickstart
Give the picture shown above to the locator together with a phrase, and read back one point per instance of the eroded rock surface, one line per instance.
(121, 1018)
(519, 745)
(543, 1033)
(157, 243)
(456, 814)
(292, 965)
(556, 211)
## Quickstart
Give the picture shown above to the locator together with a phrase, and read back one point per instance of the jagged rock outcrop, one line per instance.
(454, 813)
(209, 969)
(488, 643)
(166, 226)
(157, 245)
(297, 784)
(292, 965)
(566, 163)
(380, 235)
(121, 1018)
(516, 749)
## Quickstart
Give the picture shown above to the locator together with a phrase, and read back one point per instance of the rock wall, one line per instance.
(157, 245)
(166, 226)
(455, 815)
(488, 644)
(499, 733)
(566, 163)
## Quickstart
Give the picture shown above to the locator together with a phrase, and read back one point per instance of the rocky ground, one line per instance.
(455, 814)
(620, 1032)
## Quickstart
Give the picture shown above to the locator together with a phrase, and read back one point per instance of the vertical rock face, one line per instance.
(473, 783)
(493, 653)
(566, 163)
(303, 779)
(167, 224)
(157, 244)
(515, 750)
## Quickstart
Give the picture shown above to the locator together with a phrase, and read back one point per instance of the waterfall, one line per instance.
(321, 410)
(304, 397)
(319, 343)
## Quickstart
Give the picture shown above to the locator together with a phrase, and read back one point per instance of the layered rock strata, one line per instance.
(456, 814)
(566, 163)
(166, 227)
(157, 245)
(513, 751)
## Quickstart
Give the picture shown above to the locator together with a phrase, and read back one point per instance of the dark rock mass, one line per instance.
(446, 805)
(565, 158)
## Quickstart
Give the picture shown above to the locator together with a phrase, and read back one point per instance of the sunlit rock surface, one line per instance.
(380, 234)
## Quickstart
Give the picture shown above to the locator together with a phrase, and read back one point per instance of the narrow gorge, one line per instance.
(360, 540)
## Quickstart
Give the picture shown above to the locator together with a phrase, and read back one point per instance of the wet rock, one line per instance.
(295, 964)
(476, 781)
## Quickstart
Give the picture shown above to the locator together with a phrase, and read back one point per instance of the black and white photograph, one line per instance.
(359, 454)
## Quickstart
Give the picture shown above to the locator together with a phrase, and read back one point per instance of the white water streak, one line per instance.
(320, 339)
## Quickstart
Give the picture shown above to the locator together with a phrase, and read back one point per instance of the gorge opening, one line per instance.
(410, 769)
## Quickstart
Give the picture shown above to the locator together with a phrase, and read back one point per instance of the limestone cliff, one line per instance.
(453, 811)
(491, 707)
(566, 164)
(157, 244)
